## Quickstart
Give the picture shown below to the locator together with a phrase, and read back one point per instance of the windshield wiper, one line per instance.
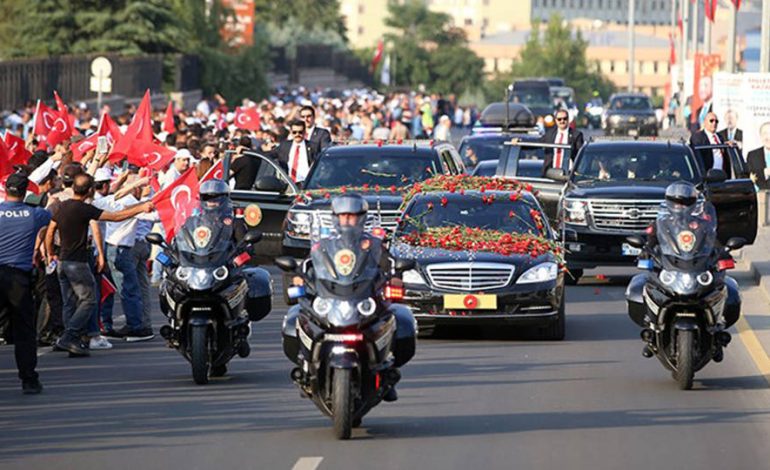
(376, 173)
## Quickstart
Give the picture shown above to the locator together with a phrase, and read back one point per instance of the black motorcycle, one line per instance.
(208, 294)
(345, 334)
(685, 302)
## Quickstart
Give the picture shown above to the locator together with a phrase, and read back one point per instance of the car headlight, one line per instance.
(322, 306)
(299, 224)
(412, 277)
(543, 272)
(651, 120)
(575, 211)
(220, 274)
(615, 119)
(705, 278)
(367, 307)
(183, 273)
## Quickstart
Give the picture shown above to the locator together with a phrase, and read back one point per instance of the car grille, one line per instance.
(469, 276)
(626, 216)
(388, 219)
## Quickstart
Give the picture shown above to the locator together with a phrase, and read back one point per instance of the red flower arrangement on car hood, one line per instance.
(461, 183)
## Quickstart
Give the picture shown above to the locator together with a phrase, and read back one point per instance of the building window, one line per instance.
(361, 9)
(612, 66)
(468, 21)
(360, 30)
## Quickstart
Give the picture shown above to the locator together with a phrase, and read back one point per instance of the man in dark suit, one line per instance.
(759, 159)
(561, 134)
(317, 135)
(731, 133)
(296, 155)
(716, 158)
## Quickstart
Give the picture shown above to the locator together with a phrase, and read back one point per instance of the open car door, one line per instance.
(265, 205)
(734, 196)
(523, 161)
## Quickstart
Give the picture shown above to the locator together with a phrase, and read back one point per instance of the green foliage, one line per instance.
(320, 19)
(556, 52)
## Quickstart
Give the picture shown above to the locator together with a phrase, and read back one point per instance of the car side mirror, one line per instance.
(286, 263)
(715, 175)
(270, 184)
(635, 240)
(556, 174)
(403, 264)
(735, 243)
(252, 237)
(155, 239)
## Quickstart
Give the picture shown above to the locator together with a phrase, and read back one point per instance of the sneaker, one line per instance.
(74, 348)
(99, 342)
(144, 334)
(109, 332)
(31, 387)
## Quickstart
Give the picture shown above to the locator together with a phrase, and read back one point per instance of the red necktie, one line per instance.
(295, 164)
(557, 160)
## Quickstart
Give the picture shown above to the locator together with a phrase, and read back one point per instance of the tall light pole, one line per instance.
(731, 38)
(631, 45)
(707, 35)
(695, 31)
(685, 28)
(764, 54)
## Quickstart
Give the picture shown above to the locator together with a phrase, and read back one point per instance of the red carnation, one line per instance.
(444, 201)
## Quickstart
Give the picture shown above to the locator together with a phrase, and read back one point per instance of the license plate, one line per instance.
(628, 250)
(633, 132)
(470, 302)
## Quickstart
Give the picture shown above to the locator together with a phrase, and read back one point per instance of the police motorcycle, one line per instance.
(347, 335)
(685, 301)
(207, 293)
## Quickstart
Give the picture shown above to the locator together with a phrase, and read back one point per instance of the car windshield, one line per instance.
(428, 211)
(479, 150)
(372, 169)
(631, 103)
(636, 163)
(534, 98)
(488, 169)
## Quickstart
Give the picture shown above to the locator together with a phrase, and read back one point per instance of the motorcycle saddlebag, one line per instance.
(259, 297)
(405, 340)
(635, 299)
(289, 334)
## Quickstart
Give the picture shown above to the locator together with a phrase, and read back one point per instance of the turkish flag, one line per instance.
(150, 155)
(710, 9)
(215, 172)
(247, 118)
(79, 149)
(44, 118)
(139, 129)
(61, 129)
(63, 109)
(377, 56)
(6, 167)
(671, 49)
(737, 4)
(107, 288)
(176, 202)
(168, 121)
(17, 153)
(107, 127)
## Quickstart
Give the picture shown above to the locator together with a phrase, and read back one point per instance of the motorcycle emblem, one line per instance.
(686, 240)
(252, 215)
(202, 236)
(344, 261)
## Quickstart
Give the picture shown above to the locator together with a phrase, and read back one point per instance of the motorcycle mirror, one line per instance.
(154, 239)
(252, 237)
(403, 264)
(735, 243)
(635, 240)
(286, 263)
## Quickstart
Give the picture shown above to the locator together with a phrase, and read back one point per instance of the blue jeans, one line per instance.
(78, 290)
(141, 254)
(123, 269)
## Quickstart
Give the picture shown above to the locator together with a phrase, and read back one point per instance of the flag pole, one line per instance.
(695, 24)
(707, 28)
(731, 37)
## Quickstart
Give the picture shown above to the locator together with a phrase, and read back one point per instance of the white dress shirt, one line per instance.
(303, 166)
(123, 233)
(718, 160)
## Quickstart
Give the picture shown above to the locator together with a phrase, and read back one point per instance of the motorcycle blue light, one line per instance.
(163, 259)
(295, 292)
(645, 264)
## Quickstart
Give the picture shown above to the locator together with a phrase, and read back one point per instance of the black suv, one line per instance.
(616, 187)
(630, 114)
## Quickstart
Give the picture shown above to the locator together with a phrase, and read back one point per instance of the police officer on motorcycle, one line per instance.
(216, 206)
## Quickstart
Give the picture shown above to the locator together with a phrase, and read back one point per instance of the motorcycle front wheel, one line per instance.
(342, 404)
(684, 362)
(199, 354)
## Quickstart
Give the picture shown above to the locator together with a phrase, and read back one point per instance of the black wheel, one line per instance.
(556, 330)
(219, 371)
(286, 284)
(684, 362)
(199, 354)
(573, 276)
(342, 404)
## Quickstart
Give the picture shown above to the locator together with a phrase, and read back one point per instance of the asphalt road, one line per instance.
(472, 399)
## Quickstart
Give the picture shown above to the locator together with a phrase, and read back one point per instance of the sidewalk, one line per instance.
(756, 257)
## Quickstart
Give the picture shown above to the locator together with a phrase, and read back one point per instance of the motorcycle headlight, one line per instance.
(322, 306)
(366, 307)
(575, 211)
(667, 277)
(183, 273)
(705, 278)
(541, 273)
(220, 274)
(299, 224)
(679, 282)
(343, 313)
(412, 277)
(201, 279)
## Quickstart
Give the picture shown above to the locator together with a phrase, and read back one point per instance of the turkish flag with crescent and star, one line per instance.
(216, 172)
(17, 153)
(150, 155)
(139, 129)
(247, 118)
(176, 202)
(6, 167)
(168, 120)
(107, 128)
(44, 118)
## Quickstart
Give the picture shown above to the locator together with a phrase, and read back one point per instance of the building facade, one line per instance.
(651, 12)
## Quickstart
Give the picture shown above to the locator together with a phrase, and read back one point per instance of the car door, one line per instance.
(734, 199)
(264, 207)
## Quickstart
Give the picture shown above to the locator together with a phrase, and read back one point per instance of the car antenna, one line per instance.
(507, 108)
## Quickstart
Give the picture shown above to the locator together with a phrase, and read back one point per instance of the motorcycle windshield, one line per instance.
(687, 238)
(205, 241)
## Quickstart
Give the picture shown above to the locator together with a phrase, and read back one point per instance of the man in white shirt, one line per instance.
(296, 155)
(711, 158)
(180, 165)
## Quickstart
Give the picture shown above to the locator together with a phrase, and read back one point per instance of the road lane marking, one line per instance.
(756, 351)
(307, 463)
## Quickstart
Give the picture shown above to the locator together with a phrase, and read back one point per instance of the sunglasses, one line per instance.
(293, 132)
(561, 119)
(714, 120)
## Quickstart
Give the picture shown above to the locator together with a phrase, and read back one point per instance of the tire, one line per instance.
(199, 354)
(557, 329)
(573, 277)
(342, 405)
(684, 361)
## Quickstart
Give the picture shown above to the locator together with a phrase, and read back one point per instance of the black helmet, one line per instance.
(681, 195)
(349, 204)
(214, 195)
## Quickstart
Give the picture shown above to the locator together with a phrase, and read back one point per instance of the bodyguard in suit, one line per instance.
(716, 158)
(561, 134)
(317, 135)
(296, 155)
(759, 159)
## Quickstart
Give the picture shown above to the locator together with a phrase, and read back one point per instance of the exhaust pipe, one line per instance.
(297, 375)
(244, 349)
